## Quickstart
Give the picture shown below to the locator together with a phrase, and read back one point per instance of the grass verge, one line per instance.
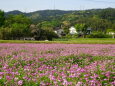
(69, 41)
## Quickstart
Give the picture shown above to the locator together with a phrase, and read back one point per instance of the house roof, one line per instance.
(57, 28)
(89, 28)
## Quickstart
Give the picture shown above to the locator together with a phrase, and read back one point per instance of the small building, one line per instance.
(112, 33)
(29, 38)
(72, 30)
(89, 29)
(59, 31)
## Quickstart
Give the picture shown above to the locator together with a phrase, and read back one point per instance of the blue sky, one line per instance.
(34, 5)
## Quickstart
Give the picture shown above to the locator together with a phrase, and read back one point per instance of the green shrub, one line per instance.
(98, 35)
(72, 36)
(61, 39)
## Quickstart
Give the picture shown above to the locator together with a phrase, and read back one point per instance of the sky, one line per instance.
(35, 5)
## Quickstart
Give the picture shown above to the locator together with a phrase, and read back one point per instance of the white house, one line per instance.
(72, 30)
(113, 34)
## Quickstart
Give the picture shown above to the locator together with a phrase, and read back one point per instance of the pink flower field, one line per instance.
(57, 64)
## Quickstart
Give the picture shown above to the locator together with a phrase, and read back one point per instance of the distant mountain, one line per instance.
(42, 15)
(41, 12)
(15, 12)
(48, 15)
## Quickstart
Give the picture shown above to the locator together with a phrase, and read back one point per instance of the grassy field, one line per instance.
(70, 41)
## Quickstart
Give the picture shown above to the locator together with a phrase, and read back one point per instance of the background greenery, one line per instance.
(16, 25)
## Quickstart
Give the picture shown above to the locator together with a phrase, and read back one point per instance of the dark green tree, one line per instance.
(19, 24)
(2, 18)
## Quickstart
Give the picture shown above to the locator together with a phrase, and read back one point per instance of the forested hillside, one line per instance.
(46, 15)
(42, 24)
(38, 16)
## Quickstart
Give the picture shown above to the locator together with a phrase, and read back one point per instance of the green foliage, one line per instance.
(110, 30)
(71, 36)
(49, 34)
(2, 82)
(67, 41)
(45, 34)
(82, 60)
(20, 30)
(108, 14)
(5, 33)
(2, 18)
(15, 26)
(81, 29)
(61, 39)
(98, 35)
(99, 24)
(20, 19)
(27, 83)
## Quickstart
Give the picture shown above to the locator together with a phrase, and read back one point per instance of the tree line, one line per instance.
(15, 27)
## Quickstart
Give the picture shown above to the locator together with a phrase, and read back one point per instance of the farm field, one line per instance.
(57, 64)
(67, 41)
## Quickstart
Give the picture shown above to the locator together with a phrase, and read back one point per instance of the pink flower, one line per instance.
(1, 73)
(79, 84)
(8, 77)
(42, 84)
(0, 77)
(113, 83)
(16, 78)
(20, 82)
(65, 82)
(108, 74)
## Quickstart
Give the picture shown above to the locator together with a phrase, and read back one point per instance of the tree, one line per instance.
(20, 19)
(98, 24)
(43, 31)
(108, 14)
(19, 24)
(81, 29)
(111, 31)
(5, 33)
(20, 30)
(45, 34)
(66, 25)
(2, 18)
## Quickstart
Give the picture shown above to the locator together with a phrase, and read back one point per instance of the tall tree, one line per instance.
(2, 18)
(81, 29)
(19, 24)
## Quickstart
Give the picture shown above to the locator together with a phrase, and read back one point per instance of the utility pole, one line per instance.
(25, 10)
(54, 8)
(54, 4)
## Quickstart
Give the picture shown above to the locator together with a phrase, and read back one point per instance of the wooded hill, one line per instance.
(42, 24)
(46, 15)
(43, 15)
